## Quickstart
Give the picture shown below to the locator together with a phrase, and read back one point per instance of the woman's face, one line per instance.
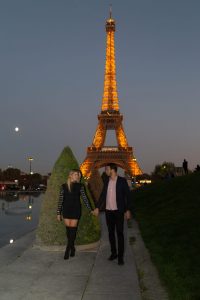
(75, 177)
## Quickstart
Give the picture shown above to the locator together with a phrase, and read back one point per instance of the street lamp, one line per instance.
(30, 161)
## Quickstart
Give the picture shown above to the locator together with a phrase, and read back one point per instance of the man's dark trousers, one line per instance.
(115, 221)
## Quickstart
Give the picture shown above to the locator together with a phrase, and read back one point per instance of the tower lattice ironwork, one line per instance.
(110, 118)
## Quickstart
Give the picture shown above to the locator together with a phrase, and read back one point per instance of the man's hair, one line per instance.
(113, 166)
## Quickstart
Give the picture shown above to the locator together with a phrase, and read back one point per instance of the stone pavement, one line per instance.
(27, 272)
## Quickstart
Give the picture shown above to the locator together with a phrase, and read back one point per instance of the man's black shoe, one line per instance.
(120, 261)
(112, 257)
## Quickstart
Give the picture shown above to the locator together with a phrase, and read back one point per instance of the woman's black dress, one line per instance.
(69, 204)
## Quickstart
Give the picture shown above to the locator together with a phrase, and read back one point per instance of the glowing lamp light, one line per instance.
(16, 129)
(11, 241)
(30, 206)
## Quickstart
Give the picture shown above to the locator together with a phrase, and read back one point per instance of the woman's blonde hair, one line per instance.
(69, 178)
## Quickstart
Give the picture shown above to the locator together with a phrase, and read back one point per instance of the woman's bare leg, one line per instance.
(71, 222)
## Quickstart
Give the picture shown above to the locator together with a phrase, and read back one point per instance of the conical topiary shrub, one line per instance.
(52, 232)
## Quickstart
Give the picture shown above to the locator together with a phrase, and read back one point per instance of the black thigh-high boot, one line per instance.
(73, 237)
(67, 250)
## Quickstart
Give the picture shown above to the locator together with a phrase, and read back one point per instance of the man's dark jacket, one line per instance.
(123, 195)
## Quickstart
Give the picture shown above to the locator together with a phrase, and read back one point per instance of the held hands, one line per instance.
(95, 212)
(127, 215)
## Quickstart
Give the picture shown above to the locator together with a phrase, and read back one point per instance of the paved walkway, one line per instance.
(30, 273)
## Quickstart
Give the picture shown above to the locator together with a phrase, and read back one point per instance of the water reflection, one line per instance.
(19, 214)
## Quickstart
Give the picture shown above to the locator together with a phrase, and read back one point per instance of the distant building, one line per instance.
(179, 171)
(4, 185)
(145, 181)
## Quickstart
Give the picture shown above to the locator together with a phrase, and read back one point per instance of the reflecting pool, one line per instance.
(19, 214)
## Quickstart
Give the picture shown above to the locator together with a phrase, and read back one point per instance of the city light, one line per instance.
(30, 159)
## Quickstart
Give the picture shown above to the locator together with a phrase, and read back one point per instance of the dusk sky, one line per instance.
(52, 58)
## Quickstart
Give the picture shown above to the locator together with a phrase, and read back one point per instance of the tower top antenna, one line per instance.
(110, 11)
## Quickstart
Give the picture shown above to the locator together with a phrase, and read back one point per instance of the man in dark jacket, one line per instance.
(115, 198)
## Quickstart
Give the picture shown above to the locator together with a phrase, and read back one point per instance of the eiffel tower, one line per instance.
(110, 118)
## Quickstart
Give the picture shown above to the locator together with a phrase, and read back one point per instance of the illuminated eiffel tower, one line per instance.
(110, 118)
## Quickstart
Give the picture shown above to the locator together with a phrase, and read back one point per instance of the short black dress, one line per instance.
(69, 204)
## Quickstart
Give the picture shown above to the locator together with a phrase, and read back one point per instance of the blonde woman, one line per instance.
(69, 207)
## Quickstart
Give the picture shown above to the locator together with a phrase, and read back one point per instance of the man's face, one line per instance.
(107, 170)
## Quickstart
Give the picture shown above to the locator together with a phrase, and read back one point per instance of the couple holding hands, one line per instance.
(114, 199)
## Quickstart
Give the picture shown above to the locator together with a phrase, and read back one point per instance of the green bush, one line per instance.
(52, 232)
(168, 214)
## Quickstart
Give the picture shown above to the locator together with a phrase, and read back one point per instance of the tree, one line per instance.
(52, 232)
(165, 170)
(11, 174)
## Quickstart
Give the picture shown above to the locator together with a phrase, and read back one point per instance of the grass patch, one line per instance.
(168, 214)
(141, 278)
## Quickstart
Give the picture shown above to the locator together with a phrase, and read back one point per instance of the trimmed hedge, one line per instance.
(52, 232)
(168, 214)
